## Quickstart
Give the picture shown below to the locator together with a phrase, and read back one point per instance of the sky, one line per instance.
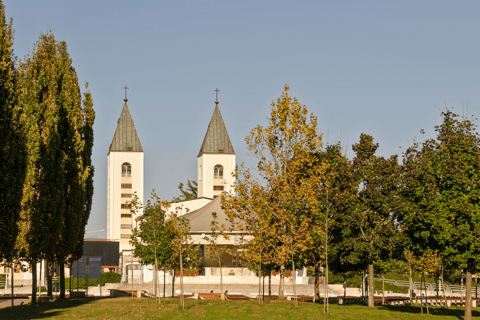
(385, 68)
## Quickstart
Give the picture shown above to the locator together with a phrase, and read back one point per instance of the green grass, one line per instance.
(127, 308)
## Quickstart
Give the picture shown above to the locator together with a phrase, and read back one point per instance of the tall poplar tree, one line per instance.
(12, 150)
(58, 189)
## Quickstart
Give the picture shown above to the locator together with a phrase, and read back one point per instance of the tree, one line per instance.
(59, 138)
(284, 151)
(215, 248)
(368, 232)
(152, 239)
(12, 149)
(184, 254)
(189, 191)
(441, 181)
(334, 195)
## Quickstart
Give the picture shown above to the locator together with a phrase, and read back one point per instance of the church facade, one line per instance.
(215, 167)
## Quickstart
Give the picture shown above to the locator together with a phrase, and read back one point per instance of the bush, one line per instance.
(107, 277)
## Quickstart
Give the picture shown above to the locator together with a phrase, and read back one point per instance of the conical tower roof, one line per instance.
(216, 139)
(126, 137)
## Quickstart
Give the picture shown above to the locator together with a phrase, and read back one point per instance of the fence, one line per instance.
(432, 286)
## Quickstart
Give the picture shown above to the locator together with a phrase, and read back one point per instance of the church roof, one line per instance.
(126, 138)
(201, 219)
(216, 139)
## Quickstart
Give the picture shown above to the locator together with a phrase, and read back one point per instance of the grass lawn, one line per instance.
(126, 308)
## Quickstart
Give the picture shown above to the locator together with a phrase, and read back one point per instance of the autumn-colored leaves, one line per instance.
(307, 203)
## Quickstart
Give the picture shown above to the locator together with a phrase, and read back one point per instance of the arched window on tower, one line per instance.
(218, 172)
(126, 170)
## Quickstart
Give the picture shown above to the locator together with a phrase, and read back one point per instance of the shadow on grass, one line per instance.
(435, 311)
(41, 310)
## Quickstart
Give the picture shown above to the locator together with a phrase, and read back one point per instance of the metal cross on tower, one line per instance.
(216, 94)
(126, 93)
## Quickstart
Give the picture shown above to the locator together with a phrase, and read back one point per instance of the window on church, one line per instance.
(126, 186)
(126, 226)
(126, 195)
(125, 236)
(218, 172)
(218, 188)
(126, 170)
(126, 206)
(126, 215)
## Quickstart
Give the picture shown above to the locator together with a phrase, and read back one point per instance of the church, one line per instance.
(215, 165)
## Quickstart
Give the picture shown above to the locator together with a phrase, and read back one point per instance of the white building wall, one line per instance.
(114, 220)
(205, 168)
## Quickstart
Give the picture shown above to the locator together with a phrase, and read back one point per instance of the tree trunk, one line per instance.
(426, 293)
(155, 290)
(410, 281)
(444, 294)
(259, 282)
(468, 296)
(295, 302)
(70, 280)
(164, 279)
(282, 281)
(173, 284)
(181, 278)
(383, 289)
(263, 288)
(221, 277)
(49, 279)
(316, 289)
(270, 285)
(326, 284)
(34, 281)
(371, 298)
(12, 281)
(131, 269)
(61, 267)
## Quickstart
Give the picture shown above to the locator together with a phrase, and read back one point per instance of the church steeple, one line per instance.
(126, 138)
(216, 139)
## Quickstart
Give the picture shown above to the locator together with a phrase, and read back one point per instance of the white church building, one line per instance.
(215, 165)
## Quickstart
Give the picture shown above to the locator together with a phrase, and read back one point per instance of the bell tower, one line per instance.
(125, 177)
(216, 159)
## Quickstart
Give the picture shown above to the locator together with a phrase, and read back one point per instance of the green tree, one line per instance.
(12, 149)
(369, 232)
(334, 194)
(188, 191)
(185, 254)
(441, 182)
(215, 248)
(59, 138)
(153, 238)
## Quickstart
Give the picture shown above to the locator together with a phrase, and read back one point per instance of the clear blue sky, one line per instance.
(385, 68)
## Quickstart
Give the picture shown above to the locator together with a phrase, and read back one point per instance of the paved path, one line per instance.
(8, 302)
(245, 289)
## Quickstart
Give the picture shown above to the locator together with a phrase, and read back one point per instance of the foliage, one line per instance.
(272, 205)
(12, 148)
(369, 231)
(441, 184)
(153, 234)
(57, 195)
(189, 191)
(106, 277)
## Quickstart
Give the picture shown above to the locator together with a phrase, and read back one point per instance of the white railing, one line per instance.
(431, 286)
